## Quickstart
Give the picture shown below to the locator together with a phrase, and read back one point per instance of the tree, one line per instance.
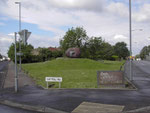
(94, 46)
(74, 37)
(57, 53)
(99, 49)
(25, 49)
(107, 51)
(45, 54)
(145, 51)
(121, 50)
(0, 56)
(27, 56)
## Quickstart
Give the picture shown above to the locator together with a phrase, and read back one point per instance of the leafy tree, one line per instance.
(145, 51)
(99, 49)
(45, 54)
(94, 46)
(137, 56)
(25, 49)
(56, 54)
(107, 51)
(121, 50)
(74, 37)
(85, 53)
(0, 56)
(27, 56)
(114, 57)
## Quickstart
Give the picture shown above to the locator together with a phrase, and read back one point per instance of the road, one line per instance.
(3, 64)
(3, 72)
(144, 66)
(141, 74)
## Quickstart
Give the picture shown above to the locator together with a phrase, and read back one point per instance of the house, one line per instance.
(54, 49)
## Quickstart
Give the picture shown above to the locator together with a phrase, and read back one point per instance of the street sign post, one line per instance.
(53, 79)
(19, 54)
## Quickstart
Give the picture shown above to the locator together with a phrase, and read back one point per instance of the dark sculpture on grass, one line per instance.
(73, 53)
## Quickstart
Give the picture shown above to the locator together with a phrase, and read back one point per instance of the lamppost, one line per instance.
(130, 31)
(19, 3)
(137, 30)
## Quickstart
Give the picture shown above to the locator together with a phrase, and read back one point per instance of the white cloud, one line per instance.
(143, 14)
(98, 17)
(43, 41)
(5, 42)
(118, 9)
(94, 5)
(118, 37)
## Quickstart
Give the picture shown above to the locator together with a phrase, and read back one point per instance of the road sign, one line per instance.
(19, 54)
(24, 35)
(53, 79)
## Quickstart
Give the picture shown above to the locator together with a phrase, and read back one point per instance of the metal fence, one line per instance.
(127, 69)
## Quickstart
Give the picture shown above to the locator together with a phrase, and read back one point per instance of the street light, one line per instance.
(130, 31)
(19, 3)
(137, 29)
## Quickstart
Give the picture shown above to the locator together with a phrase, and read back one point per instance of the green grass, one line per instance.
(76, 73)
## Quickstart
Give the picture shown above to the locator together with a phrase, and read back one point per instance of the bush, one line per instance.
(114, 57)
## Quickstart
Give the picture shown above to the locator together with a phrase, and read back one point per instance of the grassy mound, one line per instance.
(76, 73)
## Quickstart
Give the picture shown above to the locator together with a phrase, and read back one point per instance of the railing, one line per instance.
(126, 69)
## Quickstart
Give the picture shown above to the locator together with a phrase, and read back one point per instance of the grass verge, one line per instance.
(76, 73)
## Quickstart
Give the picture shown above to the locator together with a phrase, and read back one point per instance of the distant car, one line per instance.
(4, 59)
(8, 59)
(138, 59)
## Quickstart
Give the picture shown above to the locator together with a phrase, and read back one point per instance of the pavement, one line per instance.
(34, 97)
(23, 78)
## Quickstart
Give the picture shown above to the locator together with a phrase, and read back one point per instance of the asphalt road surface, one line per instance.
(144, 66)
(3, 64)
(3, 72)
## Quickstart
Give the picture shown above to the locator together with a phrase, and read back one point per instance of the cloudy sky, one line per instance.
(48, 20)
